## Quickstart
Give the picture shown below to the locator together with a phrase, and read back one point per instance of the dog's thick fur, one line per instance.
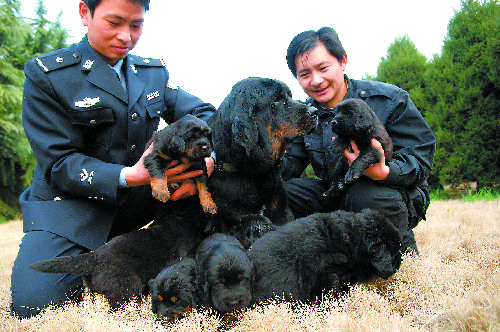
(355, 121)
(324, 252)
(251, 129)
(174, 290)
(189, 140)
(224, 273)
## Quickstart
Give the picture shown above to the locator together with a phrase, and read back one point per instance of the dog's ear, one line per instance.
(244, 131)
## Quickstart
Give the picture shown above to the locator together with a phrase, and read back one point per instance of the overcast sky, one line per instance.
(210, 45)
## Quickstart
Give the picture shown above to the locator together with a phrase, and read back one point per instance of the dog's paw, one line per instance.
(160, 189)
(211, 208)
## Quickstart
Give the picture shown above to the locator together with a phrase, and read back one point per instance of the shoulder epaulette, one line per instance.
(58, 59)
(150, 62)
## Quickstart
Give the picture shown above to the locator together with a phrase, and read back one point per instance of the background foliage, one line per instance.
(20, 40)
(457, 91)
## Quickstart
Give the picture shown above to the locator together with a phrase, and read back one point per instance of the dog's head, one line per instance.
(225, 273)
(173, 291)
(382, 242)
(353, 118)
(257, 121)
(188, 137)
(250, 228)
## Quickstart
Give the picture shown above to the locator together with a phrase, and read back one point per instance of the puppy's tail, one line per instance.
(82, 264)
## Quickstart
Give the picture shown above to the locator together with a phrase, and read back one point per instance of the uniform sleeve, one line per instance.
(414, 144)
(58, 146)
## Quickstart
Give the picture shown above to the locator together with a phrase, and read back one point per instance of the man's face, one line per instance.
(321, 76)
(114, 29)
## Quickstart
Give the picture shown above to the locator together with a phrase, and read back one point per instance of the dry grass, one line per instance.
(453, 286)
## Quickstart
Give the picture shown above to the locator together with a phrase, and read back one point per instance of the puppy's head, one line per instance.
(354, 118)
(382, 242)
(225, 273)
(173, 291)
(188, 137)
(258, 120)
(250, 228)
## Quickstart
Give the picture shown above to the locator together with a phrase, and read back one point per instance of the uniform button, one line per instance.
(308, 145)
(135, 117)
(158, 112)
(92, 122)
(362, 93)
(133, 147)
(75, 55)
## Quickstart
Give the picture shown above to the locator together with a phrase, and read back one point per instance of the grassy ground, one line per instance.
(453, 286)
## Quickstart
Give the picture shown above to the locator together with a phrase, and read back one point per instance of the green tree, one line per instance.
(462, 96)
(19, 41)
(404, 66)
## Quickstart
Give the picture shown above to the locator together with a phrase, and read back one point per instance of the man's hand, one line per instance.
(187, 186)
(138, 174)
(377, 172)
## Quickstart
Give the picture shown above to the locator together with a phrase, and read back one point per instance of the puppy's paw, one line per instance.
(160, 189)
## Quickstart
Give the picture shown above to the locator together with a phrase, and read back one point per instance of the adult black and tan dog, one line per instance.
(224, 273)
(188, 140)
(323, 252)
(355, 121)
(250, 131)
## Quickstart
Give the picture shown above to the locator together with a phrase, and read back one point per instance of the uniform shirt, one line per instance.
(413, 140)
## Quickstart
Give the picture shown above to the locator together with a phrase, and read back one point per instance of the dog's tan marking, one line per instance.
(173, 299)
(206, 200)
(160, 189)
(159, 297)
(164, 156)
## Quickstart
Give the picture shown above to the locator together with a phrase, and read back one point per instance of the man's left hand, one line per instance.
(378, 171)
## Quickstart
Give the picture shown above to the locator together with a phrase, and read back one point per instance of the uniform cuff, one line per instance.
(122, 183)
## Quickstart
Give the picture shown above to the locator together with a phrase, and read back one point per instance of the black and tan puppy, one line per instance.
(224, 273)
(323, 252)
(355, 121)
(189, 139)
(251, 131)
(174, 291)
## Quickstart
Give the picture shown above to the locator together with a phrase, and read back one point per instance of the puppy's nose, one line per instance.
(311, 111)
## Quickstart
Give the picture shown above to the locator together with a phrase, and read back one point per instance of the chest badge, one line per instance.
(153, 95)
(87, 102)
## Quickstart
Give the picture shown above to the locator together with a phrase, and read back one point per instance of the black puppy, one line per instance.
(174, 291)
(322, 252)
(355, 121)
(250, 228)
(224, 273)
(187, 139)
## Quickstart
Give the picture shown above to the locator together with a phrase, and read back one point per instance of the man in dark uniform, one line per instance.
(318, 60)
(88, 112)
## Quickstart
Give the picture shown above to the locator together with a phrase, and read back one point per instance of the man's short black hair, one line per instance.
(92, 4)
(307, 40)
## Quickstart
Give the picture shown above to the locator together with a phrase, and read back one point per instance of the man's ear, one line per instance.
(84, 11)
